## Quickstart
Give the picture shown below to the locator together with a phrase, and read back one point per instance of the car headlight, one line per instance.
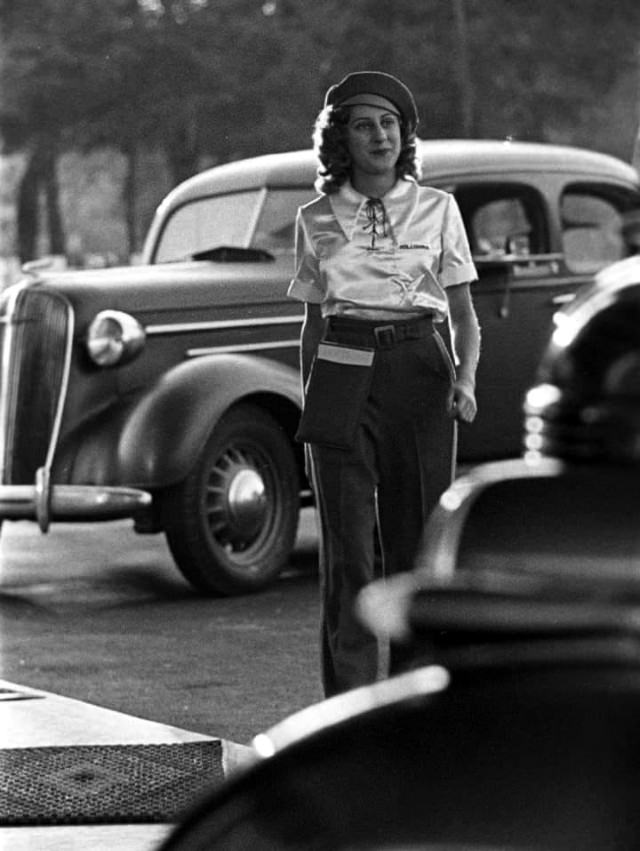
(114, 337)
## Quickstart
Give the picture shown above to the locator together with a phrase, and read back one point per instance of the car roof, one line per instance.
(440, 159)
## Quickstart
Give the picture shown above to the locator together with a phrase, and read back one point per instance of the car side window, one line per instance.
(592, 234)
(502, 227)
(504, 219)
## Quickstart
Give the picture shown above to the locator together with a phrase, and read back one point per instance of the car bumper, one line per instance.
(45, 503)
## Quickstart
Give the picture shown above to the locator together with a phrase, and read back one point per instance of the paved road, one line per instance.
(98, 613)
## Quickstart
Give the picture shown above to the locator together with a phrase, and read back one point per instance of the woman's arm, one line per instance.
(466, 343)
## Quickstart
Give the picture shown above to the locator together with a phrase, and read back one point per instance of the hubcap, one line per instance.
(247, 501)
(238, 500)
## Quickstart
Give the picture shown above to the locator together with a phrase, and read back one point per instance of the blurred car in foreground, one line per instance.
(511, 720)
(525, 737)
(169, 392)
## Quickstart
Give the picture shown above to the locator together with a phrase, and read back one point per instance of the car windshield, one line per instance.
(275, 228)
(258, 218)
(208, 223)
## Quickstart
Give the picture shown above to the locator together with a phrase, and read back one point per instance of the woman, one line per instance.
(379, 261)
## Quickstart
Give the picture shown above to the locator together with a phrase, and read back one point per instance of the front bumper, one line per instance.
(45, 502)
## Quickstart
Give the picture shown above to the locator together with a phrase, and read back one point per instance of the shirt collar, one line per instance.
(347, 202)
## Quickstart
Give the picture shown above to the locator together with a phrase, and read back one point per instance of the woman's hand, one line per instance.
(462, 401)
(466, 339)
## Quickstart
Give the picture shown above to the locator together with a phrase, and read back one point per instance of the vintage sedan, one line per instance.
(169, 392)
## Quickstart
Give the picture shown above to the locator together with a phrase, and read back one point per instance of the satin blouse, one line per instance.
(389, 260)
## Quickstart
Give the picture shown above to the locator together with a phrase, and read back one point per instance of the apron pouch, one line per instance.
(336, 391)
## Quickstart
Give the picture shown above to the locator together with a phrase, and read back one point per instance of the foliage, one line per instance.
(206, 81)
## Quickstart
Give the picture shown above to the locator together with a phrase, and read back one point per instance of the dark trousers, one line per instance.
(387, 484)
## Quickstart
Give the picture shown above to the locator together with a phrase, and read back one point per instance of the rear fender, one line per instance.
(155, 441)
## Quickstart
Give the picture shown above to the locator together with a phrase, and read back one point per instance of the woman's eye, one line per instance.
(369, 126)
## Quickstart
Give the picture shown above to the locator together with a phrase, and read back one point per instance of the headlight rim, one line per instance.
(118, 346)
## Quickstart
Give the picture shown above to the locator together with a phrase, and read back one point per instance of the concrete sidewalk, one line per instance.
(31, 718)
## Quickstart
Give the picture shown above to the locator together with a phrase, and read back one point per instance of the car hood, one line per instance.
(153, 292)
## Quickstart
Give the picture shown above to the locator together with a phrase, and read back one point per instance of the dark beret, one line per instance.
(375, 83)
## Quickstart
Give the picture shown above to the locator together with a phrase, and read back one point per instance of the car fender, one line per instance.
(157, 438)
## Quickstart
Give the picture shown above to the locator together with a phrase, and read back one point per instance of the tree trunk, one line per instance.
(12, 167)
(182, 148)
(57, 238)
(40, 182)
(129, 193)
(463, 69)
(28, 212)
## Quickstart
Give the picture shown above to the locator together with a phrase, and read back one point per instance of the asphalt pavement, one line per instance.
(103, 642)
(102, 615)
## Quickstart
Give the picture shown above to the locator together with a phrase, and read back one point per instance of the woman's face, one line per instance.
(374, 140)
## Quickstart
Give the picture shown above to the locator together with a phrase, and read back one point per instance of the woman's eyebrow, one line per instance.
(372, 117)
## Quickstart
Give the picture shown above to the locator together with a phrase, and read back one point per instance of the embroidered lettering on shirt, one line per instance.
(413, 245)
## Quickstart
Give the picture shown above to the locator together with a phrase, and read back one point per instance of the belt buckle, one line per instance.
(385, 336)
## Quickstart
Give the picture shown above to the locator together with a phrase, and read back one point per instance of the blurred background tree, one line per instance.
(108, 103)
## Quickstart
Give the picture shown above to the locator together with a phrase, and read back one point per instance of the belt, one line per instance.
(377, 335)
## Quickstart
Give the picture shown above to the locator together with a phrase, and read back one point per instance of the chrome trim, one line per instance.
(424, 682)
(439, 556)
(62, 398)
(517, 259)
(5, 377)
(132, 338)
(6, 373)
(38, 503)
(70, 502)
(42, 498)
(7, 361)
(221, 325)
(246, 347)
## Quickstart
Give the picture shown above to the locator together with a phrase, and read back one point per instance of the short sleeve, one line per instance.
(306, 283)
(456, 265)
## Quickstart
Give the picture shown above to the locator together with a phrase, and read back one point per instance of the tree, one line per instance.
(540, 68)
(56, 80)
(206, 81)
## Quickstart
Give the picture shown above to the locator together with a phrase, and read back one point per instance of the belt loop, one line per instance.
(385, 336)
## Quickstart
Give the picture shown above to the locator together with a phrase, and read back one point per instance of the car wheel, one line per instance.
(231, 523)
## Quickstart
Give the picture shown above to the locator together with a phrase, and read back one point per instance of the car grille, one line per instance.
(36, 332)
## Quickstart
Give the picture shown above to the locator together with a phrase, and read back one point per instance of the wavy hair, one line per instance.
(330, 146)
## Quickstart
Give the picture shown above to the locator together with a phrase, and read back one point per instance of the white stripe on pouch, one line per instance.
(343, 354)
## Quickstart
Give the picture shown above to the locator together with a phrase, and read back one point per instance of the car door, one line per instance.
(514, 227)
(517, 292)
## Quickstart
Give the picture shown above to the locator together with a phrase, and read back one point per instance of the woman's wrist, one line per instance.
(466, 380)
